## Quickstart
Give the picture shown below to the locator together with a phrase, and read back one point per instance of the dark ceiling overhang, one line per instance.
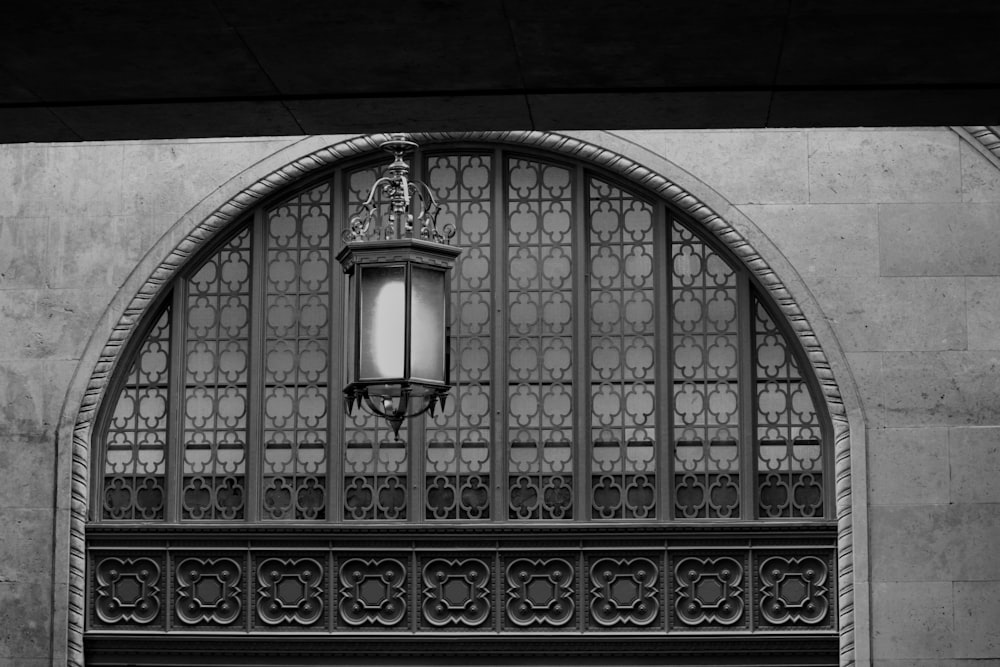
(147, 69)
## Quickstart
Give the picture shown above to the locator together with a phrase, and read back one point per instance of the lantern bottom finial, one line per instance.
(395, 402)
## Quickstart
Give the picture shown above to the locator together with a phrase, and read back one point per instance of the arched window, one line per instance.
(633, 446)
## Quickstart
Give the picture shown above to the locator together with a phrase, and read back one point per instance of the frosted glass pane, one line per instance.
(427, 320)
(383, 321)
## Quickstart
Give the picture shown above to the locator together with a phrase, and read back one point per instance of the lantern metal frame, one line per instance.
(396, 226)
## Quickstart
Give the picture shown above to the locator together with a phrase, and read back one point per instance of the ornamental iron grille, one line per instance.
(633, 444)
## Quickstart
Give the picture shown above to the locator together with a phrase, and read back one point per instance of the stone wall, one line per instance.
(889, 234)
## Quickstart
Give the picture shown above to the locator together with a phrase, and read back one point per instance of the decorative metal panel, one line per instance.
(795, 592)
(208, 591)
(541, 593)
(375, 464)
(296, 396)
(135, 455)
(373, 593)
(456, 593)
(216, 379)
(705, 346)
(709, 591)
(457, 460)
(789, 436)
(290, 592)
(636, 581)
(127, 591)
(625, 592)
(540, 392)
(622, 355)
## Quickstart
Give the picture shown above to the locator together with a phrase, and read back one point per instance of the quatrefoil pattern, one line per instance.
(127, 590)
(456, 592)
(290, 591)
(540, 592)
(208, 591)
(793, 590)
(372, 591)
(624, 591)
(709, 591)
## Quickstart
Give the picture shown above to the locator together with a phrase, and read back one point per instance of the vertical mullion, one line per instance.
(745, 339)
(501, 333)
(417, 425)
(335, 342)
(174, 481)
(663, 295)
(581, 444)
(255, 370)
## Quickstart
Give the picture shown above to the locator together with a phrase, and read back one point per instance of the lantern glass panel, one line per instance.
(382, 335)
(427, 351)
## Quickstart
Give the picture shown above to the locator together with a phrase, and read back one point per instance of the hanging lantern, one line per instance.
(399, 265)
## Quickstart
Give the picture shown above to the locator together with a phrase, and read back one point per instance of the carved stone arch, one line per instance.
(633, 163)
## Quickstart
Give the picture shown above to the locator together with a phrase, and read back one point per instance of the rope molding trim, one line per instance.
(985, 139)
(624, 167)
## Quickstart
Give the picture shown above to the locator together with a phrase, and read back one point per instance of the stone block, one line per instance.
(875, 314)
(977, 619)
(941, 388)
(983, 312)
(26, 550)
(85, 252)
(11, 158)
(975, 541)
(66, 318)
(866, 367)
(21, 339)
(912, 620)
(23, 252)
(22, 398)
(28, 462)
(859, 166)
(24, 620)
(49, 324)
(78, 179)
(939, 239)
(171, 177)
(975, 464)
(822, 241)
(935, 542)
(910, 543)
(980, 177)
(32, 394)
(908, 466)
(748, 167)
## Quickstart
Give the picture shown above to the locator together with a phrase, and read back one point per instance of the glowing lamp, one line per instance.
(399, 267)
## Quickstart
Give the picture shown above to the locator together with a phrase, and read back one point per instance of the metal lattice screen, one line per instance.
(609, 362)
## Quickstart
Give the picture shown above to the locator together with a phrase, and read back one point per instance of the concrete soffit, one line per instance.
(646, 169)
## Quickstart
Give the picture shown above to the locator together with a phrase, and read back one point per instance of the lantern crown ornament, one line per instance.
(396, 204)
(399, 264)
